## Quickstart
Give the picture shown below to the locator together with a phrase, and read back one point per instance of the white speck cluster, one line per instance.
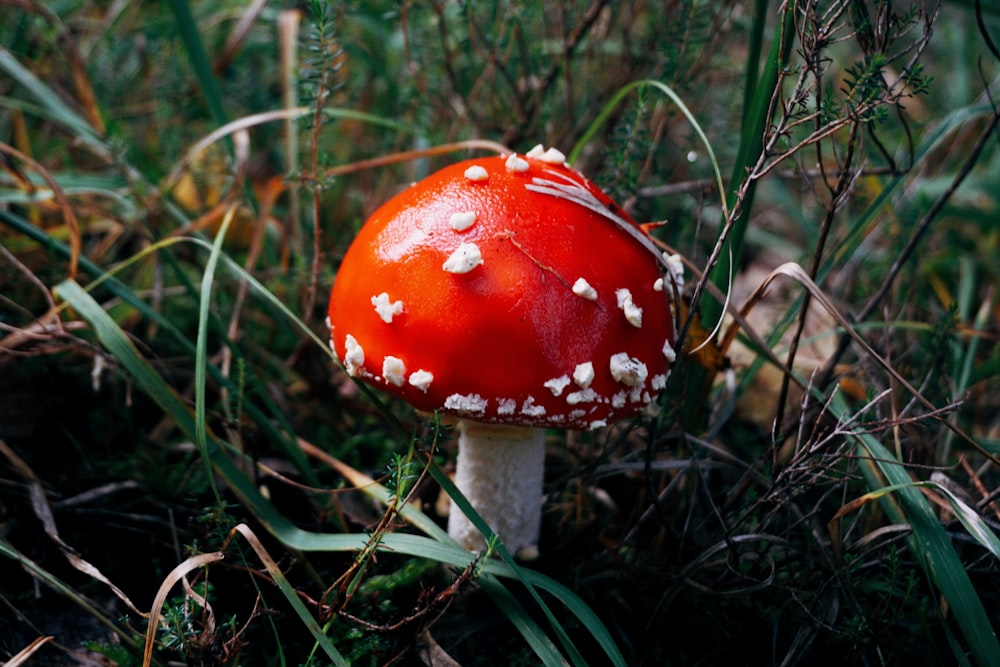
(627, 370)
(354, 356)
(584, 289)
(465, 258)
(421, 380)
(675, 265)
(668, 351)
(583, 374)
(517, 164)
(587, 395)
(557, 385)
(550, 156)
(477, 174)
(394, 370)
(529, 409)
(462, 220)
(633, 313)
(386, 308)
(466, 404)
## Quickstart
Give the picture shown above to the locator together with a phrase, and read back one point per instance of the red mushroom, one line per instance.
(512, 293)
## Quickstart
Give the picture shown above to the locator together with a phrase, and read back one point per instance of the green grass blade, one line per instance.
(466, 508)
(669, 92)
(201, 351)
(754, 125)
(145, 377)
(539, 643)
(195, 48)
(123, 349)
(966, 355)
(293, 598)
(273, 420)
(942, 131)
(147, 380)
(55, 583)
(967, 516)
(928, 541)
(578, 607)
(755, 45)
(56, 109)
(371, 119)
(970, 520)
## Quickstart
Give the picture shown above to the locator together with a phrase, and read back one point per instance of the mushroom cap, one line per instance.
(505, 290)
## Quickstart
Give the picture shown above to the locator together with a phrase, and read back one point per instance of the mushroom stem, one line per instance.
(500, 470)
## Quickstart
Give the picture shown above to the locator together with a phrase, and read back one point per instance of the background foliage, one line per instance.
(186, 474)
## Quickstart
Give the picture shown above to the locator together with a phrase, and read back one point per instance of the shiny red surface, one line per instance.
(504, 328)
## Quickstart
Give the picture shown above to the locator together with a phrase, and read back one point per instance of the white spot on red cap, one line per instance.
(394, 370)
(421, 380)
(476, 173)
(675, 265)
(658, 382)
(556, 385)
(633, 313)
(465, 258)
(583, 396)
(629, 371)
(354, 355)
(668, 351)
(553, 156)
(529, 409)
(386, 308)
(619, 399)
(466, 403)
(584, 289)
(516, 164)
(506, 406)
(583, 374)
(462, 220)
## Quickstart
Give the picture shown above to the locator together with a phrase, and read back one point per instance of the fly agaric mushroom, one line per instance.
(514, 294)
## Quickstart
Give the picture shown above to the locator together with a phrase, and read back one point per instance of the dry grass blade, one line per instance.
(21, 657)
(40, 505)
(68, 212)
(366, 484)
(40, 574)
(69, 46)
(431, 653)
(175, 575)
(46, 327)
(54, 105)
(238, 35)
(406, 156)
(967, 516)
(797, 273)
(290, 594)
(239, 125)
